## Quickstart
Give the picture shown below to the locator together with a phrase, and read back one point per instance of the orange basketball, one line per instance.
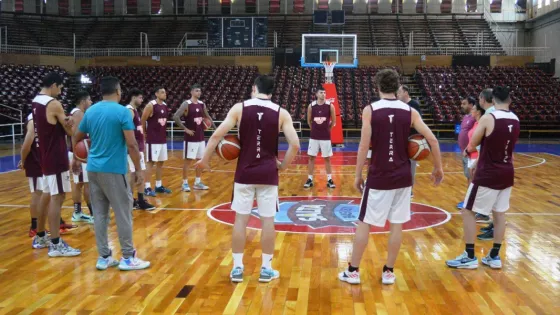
(229, 148)
(418, 147)
(207, 123)
(81, 150)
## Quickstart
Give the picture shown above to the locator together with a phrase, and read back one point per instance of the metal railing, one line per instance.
(12, 131)
(481, 51)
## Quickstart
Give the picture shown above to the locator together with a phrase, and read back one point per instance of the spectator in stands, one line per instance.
(404, 95)
(467, 104)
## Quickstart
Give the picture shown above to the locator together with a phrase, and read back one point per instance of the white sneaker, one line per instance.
(104, 263)
(40, 242)
(200, 186)
(388, 277)
(494, 263)
(350, 277)
(82, 217)
(62, 250)
(133, 263)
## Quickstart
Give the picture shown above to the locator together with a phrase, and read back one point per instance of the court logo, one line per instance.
(330, 215)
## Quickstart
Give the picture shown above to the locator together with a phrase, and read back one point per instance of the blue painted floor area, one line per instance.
(9, 163)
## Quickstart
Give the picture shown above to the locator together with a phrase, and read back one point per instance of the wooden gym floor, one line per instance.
(191, 257)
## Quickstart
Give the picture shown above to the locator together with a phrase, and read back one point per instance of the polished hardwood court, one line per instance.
(191, 256)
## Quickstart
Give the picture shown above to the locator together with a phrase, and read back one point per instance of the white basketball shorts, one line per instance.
(36, 184)
(157, 152)
(325, 146)
(142, 163)
(244, 196)
(369, 154)
(378, 206)
(57, 183)
(482, 200)
(193, 150)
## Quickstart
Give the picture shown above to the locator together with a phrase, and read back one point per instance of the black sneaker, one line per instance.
(486, 236)
(481, 218)
(144, 205)
(330, 184)
(163, 190)
(135, 204)
(308, 183)
(487, 228)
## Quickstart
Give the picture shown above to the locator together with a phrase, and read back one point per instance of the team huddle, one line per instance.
(118, 134)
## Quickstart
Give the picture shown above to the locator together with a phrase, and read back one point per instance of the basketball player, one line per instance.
(52, 126)
(490, 190)
(30, 162)
(154, 121)
(259, 122)
(386, 195)
(136, 99)
(321, 118)
(193, 111)
(466, 125)
(83, 102)
(404, 96)
(329, 70)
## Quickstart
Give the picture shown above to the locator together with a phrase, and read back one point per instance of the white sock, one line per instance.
(148, 185)
(329, 176)
(267, 261)
(237, 260)
(197, 180)
(310, 177)
(185, 181)
(158, 183)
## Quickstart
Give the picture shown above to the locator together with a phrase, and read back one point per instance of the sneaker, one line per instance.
(135, 204)
(494, 263)
(308, 183)
(186, 187)
(481, 218)
(133, 263)
(66, 226)
(461, 205)
(486, 236)
(200, 186)
(268, 274)
(149, 192)
(330, 184)
(104, 263)
(62, 249)
(487, 228)
(388, 277)
(32, 232)
(144, 205)
(463, 262)
(61, 231)
(40, 242)
(350, 277)
(163, 190)
(236, 274)
(81, 217)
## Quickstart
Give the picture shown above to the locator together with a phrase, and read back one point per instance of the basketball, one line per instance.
(207, 123)
(81, 150)
(229, 148)
(418, 147)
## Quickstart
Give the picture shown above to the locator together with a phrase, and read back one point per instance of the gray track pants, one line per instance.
(111, 190)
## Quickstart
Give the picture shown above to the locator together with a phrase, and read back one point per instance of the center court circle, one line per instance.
(328, 215)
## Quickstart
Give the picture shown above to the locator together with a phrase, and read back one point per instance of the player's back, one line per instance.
(390, 125)
(258, 135)
(495, 167)
(157, 124)
(51, 138)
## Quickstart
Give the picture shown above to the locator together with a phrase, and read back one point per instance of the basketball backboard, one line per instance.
(339, 48)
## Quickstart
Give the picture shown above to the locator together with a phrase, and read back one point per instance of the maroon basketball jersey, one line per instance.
(495, 167)
(390, 125)
(138, 132)
(51, 138)
(258, 134)
(320, 121)
(193, 121)
(157, 124)
(32, 162)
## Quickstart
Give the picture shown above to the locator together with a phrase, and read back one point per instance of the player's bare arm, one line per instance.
(134, 154)
(333, 116)
(309, 112)
(55, 113)
(423, 129)
(484, 123)
(182, 111)
(27, 143)
(77, 137)
(363, 147)
(287, 126)
(146, 114)
(208, 116)
(77, 118)
(233, 116)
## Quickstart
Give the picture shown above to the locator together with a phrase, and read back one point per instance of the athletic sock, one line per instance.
(185, 181)
(158, 183)
(237, 260)
(267, 261)
(148, 185)
(495, 251)
(352, 269)
(33, 223)
(329, 177)
(469, 248)
(310, 177)
(90, 209)
(42, 234)
(55, 240)
(385, 268)
(197, 180)
(77, 207)
(140, 197)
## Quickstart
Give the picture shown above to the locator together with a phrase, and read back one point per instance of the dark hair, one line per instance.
(501, 94)
(471, 100)
(319, 88)
(195, 86)
(108, 85)
(405, 88)
(157, 89)
(80, 96)
(52, 78)
(486, 95)
(135, 92)
(265, 84)
(387, 80)
(480, 108)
